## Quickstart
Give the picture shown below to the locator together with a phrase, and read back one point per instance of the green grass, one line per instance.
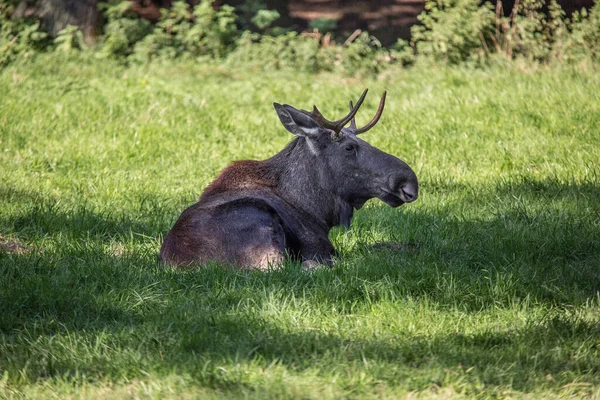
(498, 295)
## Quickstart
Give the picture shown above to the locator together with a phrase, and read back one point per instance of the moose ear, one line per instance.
(297, 122)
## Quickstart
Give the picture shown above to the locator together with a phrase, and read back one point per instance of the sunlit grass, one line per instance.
(487, 286)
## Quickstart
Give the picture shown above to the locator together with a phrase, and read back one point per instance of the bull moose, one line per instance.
(256, 213)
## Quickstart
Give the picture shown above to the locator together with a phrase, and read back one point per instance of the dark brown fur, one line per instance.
(242, 175)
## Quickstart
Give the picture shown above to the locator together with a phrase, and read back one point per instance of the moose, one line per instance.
(257, 213)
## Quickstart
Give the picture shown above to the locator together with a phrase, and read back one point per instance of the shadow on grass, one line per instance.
(116, 318)
(532, 239)
(48, 217)
(169, 320)
(539, 239)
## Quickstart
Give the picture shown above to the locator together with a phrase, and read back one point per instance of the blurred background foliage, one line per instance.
(272, 35)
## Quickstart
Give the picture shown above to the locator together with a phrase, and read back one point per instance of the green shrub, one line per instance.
(533, 34)
(360, 55)
(265, 18)
(69, 40)
(549, 37)
(290, 50)
(454, 31)
(310, 53)
(401, 52)
(19, 38)
(583, 42)
(189, 32)
(457, 31)
(123, 29)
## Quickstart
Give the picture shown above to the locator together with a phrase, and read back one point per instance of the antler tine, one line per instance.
(353, 122)
(340, 123)
(375, 118)
(318, 117)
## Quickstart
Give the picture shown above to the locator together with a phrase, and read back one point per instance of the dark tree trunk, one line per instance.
(57, 14)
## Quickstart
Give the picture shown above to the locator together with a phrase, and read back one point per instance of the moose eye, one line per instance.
(349, 148)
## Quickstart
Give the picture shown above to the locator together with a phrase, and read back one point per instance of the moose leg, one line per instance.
(317, 253)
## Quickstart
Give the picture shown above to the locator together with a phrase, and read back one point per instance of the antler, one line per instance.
(336, 126)
(373, 121)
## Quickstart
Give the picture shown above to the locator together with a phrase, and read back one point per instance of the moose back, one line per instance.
(256, 213)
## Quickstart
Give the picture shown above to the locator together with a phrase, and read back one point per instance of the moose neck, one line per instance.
(305, 184)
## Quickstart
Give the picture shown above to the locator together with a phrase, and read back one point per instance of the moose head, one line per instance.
(257, 212)
(351, 168)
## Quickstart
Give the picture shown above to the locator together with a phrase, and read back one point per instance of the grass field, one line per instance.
(487, 286)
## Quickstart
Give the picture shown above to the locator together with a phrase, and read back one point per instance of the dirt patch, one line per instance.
(12, 246)
(118, 249)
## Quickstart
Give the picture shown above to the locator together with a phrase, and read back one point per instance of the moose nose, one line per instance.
(409, 192)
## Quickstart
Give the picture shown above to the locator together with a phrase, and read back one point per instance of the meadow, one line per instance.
(487, 286)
